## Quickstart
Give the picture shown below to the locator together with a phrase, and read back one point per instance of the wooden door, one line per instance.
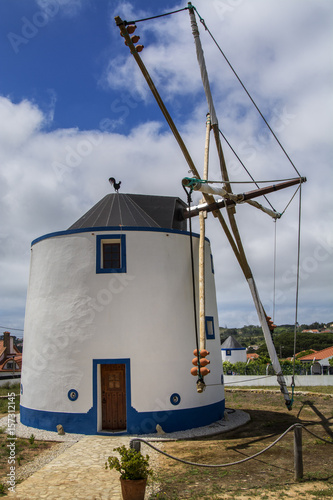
(113, 397)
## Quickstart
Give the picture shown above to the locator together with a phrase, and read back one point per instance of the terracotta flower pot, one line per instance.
(133, 489)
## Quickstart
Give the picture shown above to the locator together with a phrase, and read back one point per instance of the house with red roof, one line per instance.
(319, 361)
(252, 356)
(310, 331)
(10, 357)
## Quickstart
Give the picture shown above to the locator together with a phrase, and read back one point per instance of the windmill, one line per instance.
(228, 201)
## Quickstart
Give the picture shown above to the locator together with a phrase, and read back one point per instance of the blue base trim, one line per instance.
(75, 423)
(138, 423)
(174, 420)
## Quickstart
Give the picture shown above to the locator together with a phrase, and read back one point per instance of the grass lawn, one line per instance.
(270, 475)
(25, 450)
(6, 389)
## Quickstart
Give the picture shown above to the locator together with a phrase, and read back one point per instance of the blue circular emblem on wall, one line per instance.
(72, 395)
(175, 399)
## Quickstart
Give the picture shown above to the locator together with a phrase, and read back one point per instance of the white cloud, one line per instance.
(69, 8)
(18, 122)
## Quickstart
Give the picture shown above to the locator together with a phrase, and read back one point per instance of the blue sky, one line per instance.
(61, 53)
(62, 60)
(74, 110)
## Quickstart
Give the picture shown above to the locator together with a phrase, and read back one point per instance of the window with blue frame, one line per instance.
(111, 253)
(228, 352)
(210, 331)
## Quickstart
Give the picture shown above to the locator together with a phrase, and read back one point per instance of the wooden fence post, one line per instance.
(135, 444)
(298, 452)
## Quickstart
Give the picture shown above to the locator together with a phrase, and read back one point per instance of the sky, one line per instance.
(75, 110)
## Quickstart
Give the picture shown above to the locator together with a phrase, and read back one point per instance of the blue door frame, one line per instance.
(97, 405)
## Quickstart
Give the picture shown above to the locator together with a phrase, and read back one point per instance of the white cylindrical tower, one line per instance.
(109, 328)
(232, 351)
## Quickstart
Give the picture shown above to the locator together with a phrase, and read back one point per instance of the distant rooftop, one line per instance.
(318, 355)
(135, 210)
(231, 343)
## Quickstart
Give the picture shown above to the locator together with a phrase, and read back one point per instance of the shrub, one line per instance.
(131, 465)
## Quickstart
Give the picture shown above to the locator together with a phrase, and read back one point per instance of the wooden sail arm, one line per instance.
(123, 31)
(208, 198)
(234, 238)
(215, 127)
(121, 25)
(236, 198)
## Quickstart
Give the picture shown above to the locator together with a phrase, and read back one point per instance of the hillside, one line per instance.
(283, 337)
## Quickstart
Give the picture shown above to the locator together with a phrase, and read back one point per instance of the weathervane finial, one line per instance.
(115, 184)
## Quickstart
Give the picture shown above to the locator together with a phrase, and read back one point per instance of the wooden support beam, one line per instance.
(202, 216)
(246, 196)
(298, 453)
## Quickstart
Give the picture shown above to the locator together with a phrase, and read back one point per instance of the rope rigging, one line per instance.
(274, 270)
(229, 199)
(126, 23)
(291, 199)
(190, 6)
(246, 170)
(297, 288)
(187, 462)
(246, 91)
(200, 382)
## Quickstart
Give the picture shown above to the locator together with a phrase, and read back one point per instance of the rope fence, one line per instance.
(298, 458)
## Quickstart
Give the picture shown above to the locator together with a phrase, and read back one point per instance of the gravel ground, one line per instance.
(41, 435)
(233, 418)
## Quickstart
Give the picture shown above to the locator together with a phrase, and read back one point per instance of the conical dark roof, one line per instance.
(231, 343)
(134, 210)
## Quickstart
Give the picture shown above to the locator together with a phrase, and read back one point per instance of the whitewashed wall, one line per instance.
(235, 356)
(74, 315)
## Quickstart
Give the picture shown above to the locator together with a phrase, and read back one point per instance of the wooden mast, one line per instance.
(237, 242)
(234, 239)
(215, 127)
(202, 217)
